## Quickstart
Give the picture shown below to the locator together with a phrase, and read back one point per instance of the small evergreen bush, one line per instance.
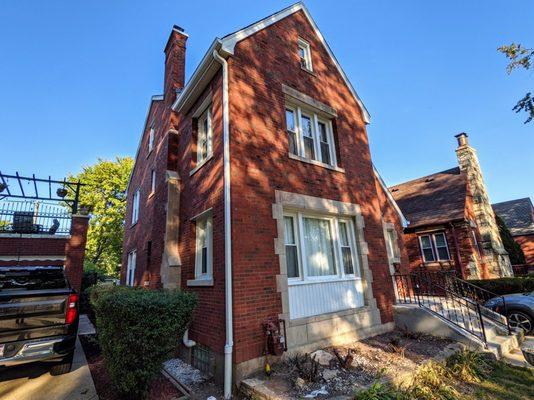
(137, 330)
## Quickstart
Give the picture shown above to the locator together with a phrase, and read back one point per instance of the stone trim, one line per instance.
(170, 271)
(300, 202)
(308, 101)
(33, 258)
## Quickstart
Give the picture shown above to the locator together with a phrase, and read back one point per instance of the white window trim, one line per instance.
(135, 207)
(152, 182)
(303, 44)
(205, 279)
(130, 268)
(340, 275)
(209, 136)
(151, 134)
(315, 118)
(434, 247)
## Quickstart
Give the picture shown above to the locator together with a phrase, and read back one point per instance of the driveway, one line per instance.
(34, 382)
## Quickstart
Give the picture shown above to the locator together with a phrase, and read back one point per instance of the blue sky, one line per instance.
(76, 78)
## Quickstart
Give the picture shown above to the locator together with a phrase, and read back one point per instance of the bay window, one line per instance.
(310, 135)
(319, 247)
(434, 247)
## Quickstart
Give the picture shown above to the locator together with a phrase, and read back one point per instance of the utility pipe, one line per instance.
(186, 341)
(229, 345)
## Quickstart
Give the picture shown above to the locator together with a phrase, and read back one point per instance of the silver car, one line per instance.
(519, 310)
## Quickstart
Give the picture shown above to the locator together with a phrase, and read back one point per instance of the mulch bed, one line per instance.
(160, 389)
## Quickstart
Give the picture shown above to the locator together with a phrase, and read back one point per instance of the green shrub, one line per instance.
(137, 330)
(510, 245)
(379, 391)
(507, 285)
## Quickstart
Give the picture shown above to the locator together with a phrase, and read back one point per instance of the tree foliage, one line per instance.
(517, 257)
(520, 57)
(105, 193)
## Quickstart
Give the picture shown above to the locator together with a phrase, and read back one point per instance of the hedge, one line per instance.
(137, 330)
(506, 285)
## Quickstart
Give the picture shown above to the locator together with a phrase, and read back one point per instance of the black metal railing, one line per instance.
(430, 291)
(481, 296)
(34, 217)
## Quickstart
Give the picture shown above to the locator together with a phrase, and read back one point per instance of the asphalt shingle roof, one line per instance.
(433, 199)
(518, 215)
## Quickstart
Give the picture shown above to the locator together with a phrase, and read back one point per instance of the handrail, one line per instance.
(421, 289)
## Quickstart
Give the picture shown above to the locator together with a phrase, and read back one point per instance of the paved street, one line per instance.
(34, 382)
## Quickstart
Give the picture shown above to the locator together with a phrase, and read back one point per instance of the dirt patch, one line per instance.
(343, 370)
(160, 389)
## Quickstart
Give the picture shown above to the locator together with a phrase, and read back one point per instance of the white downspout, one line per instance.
(229, 345)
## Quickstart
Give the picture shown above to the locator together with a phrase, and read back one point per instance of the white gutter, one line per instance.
(229, 345)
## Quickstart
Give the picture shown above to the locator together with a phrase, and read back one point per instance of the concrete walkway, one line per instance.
(34, 382)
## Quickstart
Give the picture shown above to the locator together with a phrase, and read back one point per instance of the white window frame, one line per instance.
(392, 245)
(205, 115)
(130, 268)
(135, 206)
(298, 111)
(151, 139)
(207, 221)
(304, 277)
(434, 247)
(152, 182)
(306, 61)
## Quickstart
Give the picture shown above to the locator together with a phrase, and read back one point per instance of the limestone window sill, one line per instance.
(314, 162)
(200, 282)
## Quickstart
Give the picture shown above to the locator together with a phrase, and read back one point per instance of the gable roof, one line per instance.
(518, 215)
(207, 67)
(433, 199)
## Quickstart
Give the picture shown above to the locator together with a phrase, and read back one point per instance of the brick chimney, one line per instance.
(495, 256)
(174, 64)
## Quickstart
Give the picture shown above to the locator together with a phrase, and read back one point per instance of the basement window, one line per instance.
(304, 55)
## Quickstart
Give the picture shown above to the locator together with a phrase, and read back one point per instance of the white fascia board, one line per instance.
(229, 42)
(152, 100)
(404, 221)
(203, 73)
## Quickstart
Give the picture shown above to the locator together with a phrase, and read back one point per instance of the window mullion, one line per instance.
(338, 256)
(302, 246)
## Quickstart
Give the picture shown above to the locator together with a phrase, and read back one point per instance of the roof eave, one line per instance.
(403, 219)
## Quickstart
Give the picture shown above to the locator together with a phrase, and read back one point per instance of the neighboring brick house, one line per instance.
(253, 186)
(518, 215)
(452, 224)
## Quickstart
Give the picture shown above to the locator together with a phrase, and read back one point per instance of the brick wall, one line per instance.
(527, 245)
(260, 165)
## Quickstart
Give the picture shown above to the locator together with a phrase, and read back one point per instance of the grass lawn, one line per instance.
(464, 376)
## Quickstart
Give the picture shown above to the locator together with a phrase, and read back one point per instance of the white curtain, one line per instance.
(319, 247)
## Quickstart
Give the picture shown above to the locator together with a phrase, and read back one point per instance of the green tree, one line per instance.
(520, 57)
(517, 257)
(105, 193)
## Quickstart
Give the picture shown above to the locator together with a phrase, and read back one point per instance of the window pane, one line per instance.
(309, 150)
(204, 260)
(428, 255)
(292, 262)
(347, 260)
(289, 230)
(292, 142)
(440, 239)
(290, 120)
(425, 241)
(306, 126)
(319, 247)
(343, 233)
(443, 253)
(325, 153)
(323, 134)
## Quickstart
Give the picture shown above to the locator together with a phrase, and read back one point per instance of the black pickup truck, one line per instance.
(38, 317)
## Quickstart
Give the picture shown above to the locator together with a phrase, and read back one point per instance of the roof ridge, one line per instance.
(425, 176)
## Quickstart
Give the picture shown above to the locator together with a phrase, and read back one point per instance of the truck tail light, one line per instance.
(72, 309)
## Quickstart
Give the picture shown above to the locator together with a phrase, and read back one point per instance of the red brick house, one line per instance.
(253, 186)
(452, 224)
(518, 215)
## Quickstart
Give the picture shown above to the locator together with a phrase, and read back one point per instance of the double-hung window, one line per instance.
(319, 247)
(130, 268)
(204, 136)
(310, 135)
(434, 247)
(135, 206)
(204, 247)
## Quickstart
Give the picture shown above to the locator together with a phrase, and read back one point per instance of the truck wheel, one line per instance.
(62, 367)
